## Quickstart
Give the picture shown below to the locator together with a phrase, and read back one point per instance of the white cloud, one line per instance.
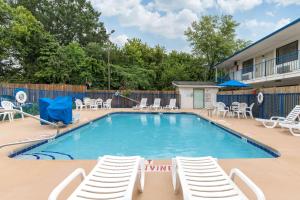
(132, 13)
(255, 26)
(176, 5)
(120, 40)
(231, 6)
(285, 2)
(270, 13)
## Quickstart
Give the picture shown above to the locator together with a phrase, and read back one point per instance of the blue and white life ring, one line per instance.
(21, 97)
(260, 97)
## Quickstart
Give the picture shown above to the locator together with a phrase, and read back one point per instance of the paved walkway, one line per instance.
(279, 178)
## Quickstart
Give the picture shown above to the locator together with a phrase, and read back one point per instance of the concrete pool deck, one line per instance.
(279, 178)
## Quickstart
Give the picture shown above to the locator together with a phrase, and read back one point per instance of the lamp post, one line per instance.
(108, 58)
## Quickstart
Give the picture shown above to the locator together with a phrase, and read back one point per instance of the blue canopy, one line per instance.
(233, 83)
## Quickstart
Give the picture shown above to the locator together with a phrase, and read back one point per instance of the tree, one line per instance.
(213, 38)
(68, 20)
(21, 37)
(69, 64)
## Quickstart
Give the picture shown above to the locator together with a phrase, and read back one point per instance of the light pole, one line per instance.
(108, 57)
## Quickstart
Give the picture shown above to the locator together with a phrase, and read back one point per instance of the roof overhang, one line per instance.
(191, 85)
(263, 45)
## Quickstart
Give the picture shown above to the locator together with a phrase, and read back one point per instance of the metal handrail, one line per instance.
(31, 140)
(119, 94)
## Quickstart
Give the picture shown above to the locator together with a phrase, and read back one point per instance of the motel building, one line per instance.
(272, 61)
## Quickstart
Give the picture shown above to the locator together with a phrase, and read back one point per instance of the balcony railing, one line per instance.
(276, 66)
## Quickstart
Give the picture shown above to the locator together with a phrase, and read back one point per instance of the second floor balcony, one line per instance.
(274, 69)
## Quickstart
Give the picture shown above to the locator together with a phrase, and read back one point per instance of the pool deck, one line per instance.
(279, 178)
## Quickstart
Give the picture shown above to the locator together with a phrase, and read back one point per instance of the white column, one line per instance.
(275, 70)
(253, 71)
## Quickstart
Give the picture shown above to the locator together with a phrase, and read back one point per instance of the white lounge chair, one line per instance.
(79, 105)
(221, 108)
(172, 105)
(156, 104)
(112, 178)
(274, 120)
(293, 128)
(142, 105)
(107, 104)
(202, 178)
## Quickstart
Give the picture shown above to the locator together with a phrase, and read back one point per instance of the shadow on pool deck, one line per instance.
(279, 178)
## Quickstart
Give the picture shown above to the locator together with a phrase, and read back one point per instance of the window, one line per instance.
(247, 66)
(287, 53)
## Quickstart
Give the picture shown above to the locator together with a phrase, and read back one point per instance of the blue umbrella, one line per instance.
(233, 83)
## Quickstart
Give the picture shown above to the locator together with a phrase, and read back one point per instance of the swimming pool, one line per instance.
(151, 135)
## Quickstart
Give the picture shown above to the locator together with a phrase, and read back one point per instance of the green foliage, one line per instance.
(21, 39)
(58, 41)
(213, 38)
(69, 64)
(68, 21)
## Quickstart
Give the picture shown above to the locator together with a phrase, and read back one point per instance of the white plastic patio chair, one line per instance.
(202, 178)
(240, 110)
(87, 102)
(107, 104)
(156, 104)
(112, 178)
(4, 114)
(234, 106)
(99, 102)
(172, 105)
(274, 120)
(221, 108)
(93, 104)
(249, 110)
(79, 105)
(142, 105)
(8, 107)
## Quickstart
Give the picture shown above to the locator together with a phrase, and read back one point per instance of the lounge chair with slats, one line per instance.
(274, 120)
(142, 105)
(156, 104)
(113, 177)
(201, 178)
(172, 105)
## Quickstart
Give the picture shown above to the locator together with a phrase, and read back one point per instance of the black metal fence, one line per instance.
(118, 101)
(273, 104)
(121, 102)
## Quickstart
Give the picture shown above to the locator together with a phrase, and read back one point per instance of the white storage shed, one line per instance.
(196, 95)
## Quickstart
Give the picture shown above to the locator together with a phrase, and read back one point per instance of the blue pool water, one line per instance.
(153, 136)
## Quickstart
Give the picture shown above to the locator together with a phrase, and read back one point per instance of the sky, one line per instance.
(163, 22)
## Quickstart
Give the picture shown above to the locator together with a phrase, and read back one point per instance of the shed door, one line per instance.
(198, 98)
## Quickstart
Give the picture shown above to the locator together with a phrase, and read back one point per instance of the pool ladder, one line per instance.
(31, 140)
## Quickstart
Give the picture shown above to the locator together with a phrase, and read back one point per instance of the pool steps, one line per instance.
(44, 155)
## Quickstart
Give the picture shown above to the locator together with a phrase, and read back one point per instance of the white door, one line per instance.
(198, 98)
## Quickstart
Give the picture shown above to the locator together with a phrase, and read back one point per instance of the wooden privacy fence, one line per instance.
(54, 87)
(36, 91)
(277, 104)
